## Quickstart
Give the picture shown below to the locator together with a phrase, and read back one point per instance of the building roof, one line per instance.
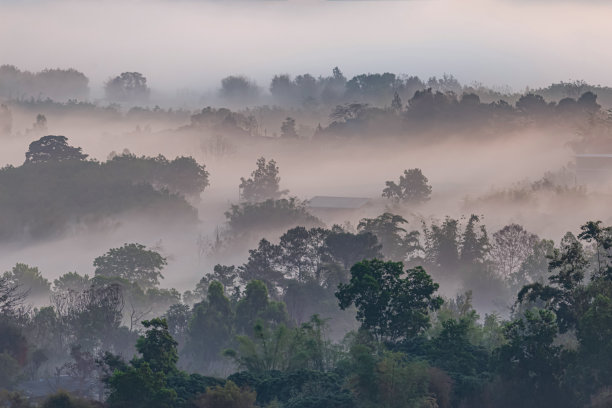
(589, 155)
(337, 202)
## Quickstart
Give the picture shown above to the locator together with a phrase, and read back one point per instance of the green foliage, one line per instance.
(157, 346)
(531, 361)
(256, 306)
(138, 386)
(132, 262)
(391, 304)
(210, 328)
(401, 383)
(285, 349)
(564, 293)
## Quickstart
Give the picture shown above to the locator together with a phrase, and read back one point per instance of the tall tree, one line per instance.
(391, 303)
(132, 262)
(52, 149)
(412, 188)
(263, 183)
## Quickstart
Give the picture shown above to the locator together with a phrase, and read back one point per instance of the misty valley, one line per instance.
(378, 240)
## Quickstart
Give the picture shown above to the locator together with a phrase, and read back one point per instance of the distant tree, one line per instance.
(263, 265)
(412, 188)
(132, 262)
(63, 84)
(531, 104)
(178, 317)
(227, 276)
(396, 242)
(396, 103)
(592, 231)
(41, 123)
(92, 317)
(288, 128)
(127, 87)
(511, 246)
(443, 243)
(6, 120)
(72, 281)
(282, 88)
(239, 89)
(391, 303)
(474, 242)
(348, 249)
(263, 183)
(588, 102)
(30, 280)
(12, 297)
(52, 149)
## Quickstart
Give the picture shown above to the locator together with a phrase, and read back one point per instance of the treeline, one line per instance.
(64, 189)
(56, 84)
(303, 91)
(412, 348)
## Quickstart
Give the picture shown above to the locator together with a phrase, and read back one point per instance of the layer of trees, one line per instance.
(65, 188)
(270, 325)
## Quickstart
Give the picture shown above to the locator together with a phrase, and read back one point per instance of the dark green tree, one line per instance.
(531, 362)
(391, 303)
(210, 328)
(256, 305)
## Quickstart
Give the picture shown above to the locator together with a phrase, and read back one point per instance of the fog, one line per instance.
(461, 172)
(188, 44)
(305, 203)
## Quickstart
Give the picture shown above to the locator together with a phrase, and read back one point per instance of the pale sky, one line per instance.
(193, 44)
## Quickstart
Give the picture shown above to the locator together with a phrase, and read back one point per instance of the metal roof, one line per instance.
(337, 202)
(609, 156)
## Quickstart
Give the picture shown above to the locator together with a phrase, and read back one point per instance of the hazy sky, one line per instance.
(179, 44)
